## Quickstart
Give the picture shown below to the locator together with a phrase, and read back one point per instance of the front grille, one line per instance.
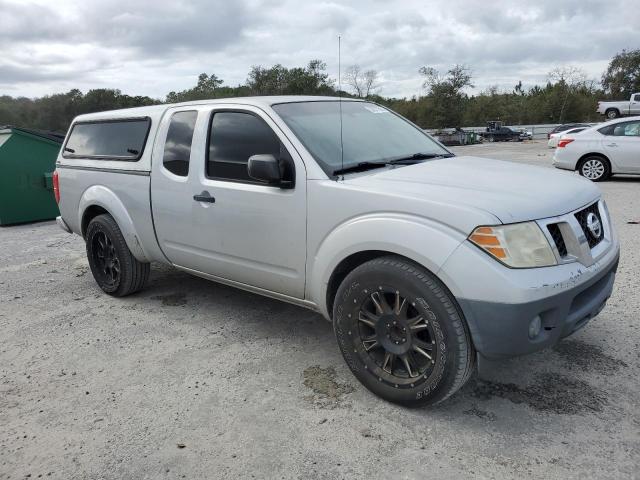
(582, 217)
(554, 230)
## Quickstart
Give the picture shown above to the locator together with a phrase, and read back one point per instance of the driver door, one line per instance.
(219, 221)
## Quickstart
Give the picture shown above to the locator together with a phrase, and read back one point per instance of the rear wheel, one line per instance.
(401, 333)
(612, 113)
(595, 168)
(112, 264)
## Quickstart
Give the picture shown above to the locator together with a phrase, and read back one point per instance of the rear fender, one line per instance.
(101, 196)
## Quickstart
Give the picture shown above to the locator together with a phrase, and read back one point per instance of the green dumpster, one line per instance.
(27, 160)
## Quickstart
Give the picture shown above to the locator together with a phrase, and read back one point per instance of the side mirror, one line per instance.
(264, 168)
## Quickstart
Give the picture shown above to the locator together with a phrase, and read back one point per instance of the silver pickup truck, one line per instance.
(617, 109)
(422, 260)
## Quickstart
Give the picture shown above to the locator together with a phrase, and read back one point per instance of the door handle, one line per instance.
(612, 145)
(204, 197)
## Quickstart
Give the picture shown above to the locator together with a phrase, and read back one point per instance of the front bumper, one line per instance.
(501, 330)
(499, 303)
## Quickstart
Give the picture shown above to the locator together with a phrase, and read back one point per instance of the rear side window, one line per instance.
(233, 138)
(625, 129)
(108, 140)
(177, 148)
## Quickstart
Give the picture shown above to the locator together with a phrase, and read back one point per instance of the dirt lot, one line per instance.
(190, 379)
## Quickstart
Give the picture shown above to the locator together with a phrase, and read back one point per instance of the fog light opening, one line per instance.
(535, 326)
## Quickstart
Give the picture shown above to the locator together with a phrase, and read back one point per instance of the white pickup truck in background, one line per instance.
(617, 109)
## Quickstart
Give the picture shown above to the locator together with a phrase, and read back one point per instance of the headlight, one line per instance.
(519, 245)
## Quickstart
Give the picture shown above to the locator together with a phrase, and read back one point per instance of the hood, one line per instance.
(512, 192)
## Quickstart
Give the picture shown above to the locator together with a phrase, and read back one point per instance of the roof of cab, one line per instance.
(157, 110)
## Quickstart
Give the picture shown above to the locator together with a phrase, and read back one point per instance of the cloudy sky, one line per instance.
(150, 47)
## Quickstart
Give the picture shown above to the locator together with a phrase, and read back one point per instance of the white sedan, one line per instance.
(603, 150)
(555, 137)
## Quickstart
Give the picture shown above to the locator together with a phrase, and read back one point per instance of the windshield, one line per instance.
(370, 133)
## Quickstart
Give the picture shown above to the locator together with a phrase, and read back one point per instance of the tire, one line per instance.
(612, 113)
(491, 138)
(116, 271)
(430, 332)
(595, 168)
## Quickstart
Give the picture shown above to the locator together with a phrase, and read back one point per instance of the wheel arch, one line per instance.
(343, 269)
(349, 246)
(98, 200)
(91, 212)
(593, 154)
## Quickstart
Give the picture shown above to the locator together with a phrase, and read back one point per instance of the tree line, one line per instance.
(567, 96)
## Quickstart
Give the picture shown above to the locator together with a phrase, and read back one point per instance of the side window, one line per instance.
(632, 129)
(636, 97)
(108, 139)
(608, 130)
(177, 148)
(233, 138)
(626, 129)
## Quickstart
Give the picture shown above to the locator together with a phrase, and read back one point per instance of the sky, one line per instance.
(151, 47)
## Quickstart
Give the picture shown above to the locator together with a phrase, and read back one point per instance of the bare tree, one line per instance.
(570, 78)
(362, 83)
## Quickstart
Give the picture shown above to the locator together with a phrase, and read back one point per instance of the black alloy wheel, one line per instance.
(402, 333)
(115, 269)
(398, 338)
(106, 259)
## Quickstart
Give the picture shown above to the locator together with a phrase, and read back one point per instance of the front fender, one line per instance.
(101, 196)
(419, 239)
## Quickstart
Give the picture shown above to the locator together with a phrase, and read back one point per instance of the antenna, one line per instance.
(340, 103)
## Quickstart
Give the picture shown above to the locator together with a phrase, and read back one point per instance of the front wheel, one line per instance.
(114, 268)
(401, 332)
(595, 169)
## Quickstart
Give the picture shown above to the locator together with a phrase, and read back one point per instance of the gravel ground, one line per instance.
(190, 379)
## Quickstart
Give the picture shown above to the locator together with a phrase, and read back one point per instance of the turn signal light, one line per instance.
(517, 245)
(487, 239)
(564, 142)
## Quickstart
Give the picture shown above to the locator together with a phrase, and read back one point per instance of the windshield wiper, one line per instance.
(403, 160)
(358, 167)
(418, 156)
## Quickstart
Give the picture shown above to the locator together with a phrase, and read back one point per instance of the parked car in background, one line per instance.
(617, 109)
(496, 132)
(523, 133)
(564, 127)
(418, 257)
(554, 137)
(603, 150)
